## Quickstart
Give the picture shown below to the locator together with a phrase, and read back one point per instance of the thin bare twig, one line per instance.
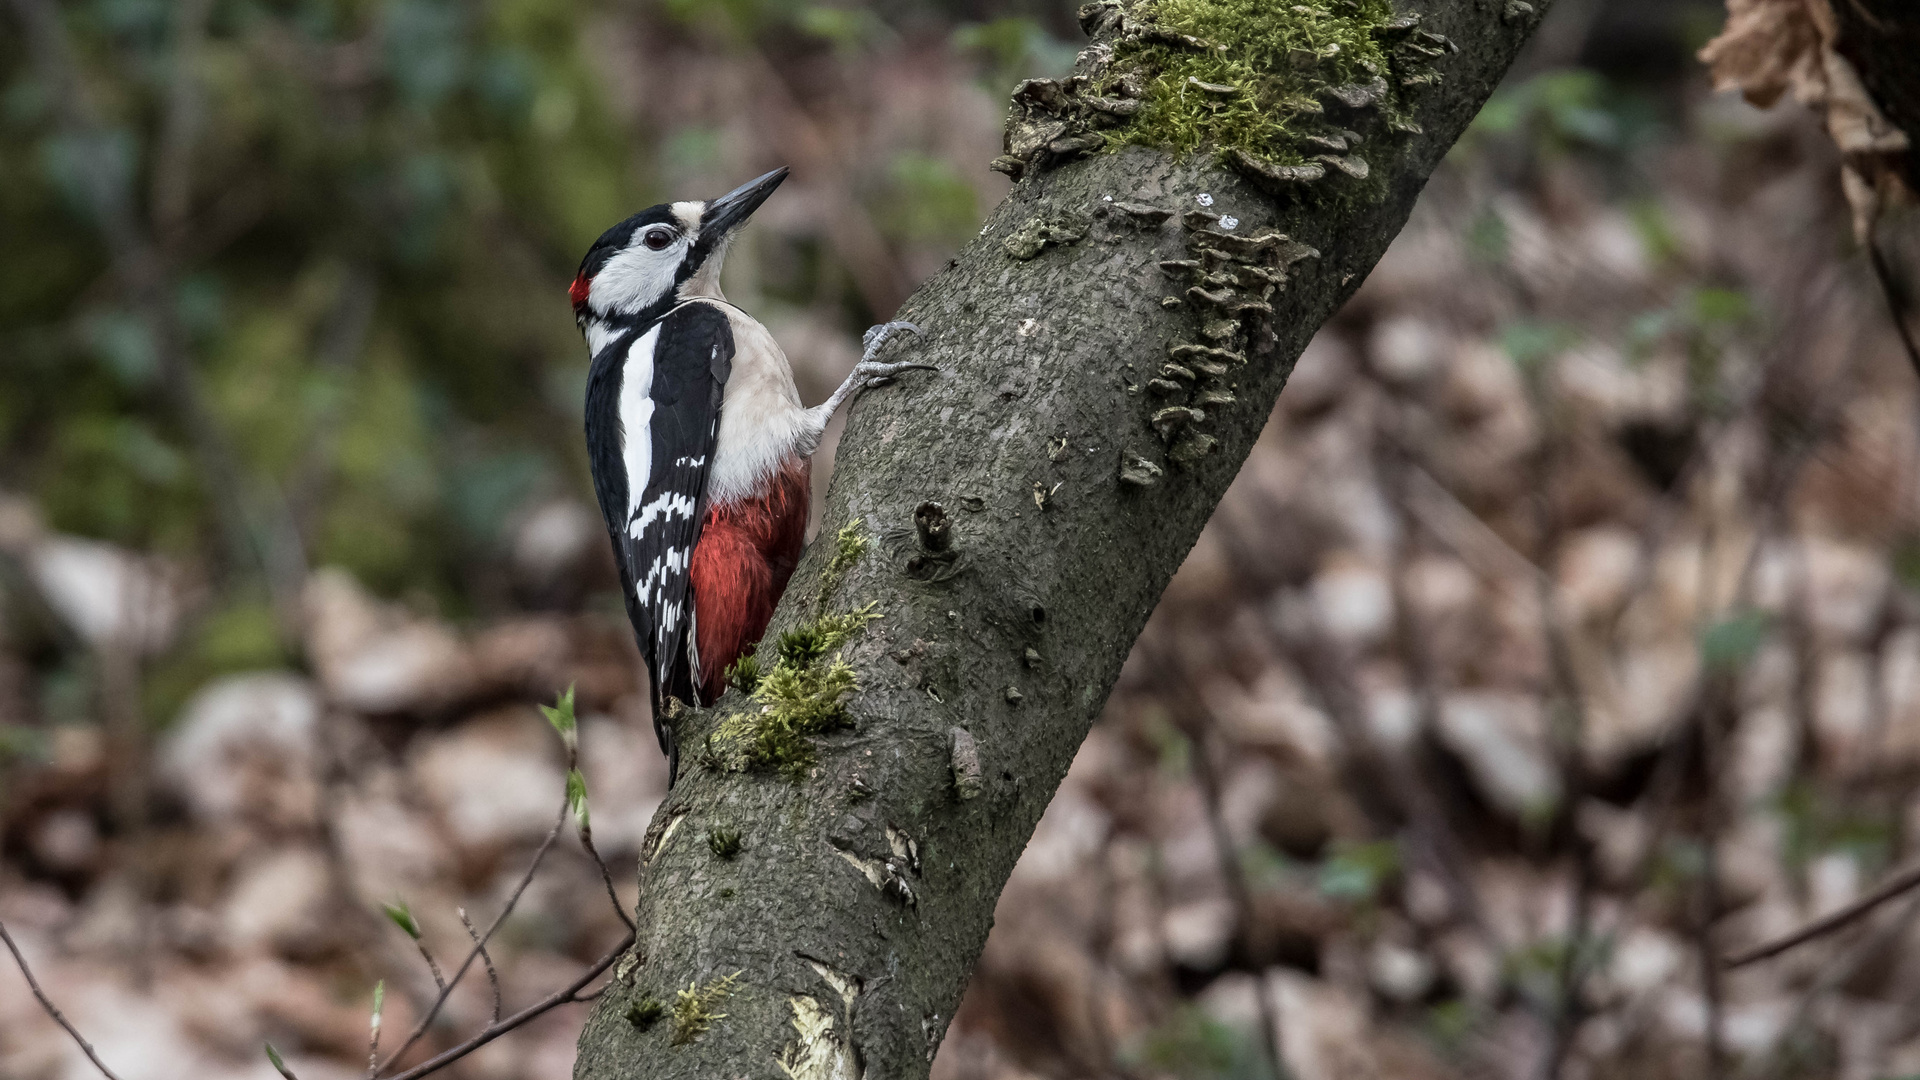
(493, 976)
(439, 979)
(1892, 889)
(569, 995)
(446, 991)
(606, 878)
(52, 1009)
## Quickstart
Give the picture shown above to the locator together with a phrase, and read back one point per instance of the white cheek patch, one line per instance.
(636, 417)
(635, 278)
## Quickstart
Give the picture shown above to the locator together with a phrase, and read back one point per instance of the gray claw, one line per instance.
(876, 337)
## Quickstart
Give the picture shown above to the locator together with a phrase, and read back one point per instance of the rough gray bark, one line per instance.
(861, 894)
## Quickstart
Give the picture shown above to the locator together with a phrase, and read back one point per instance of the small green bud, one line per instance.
(577, 798)
(560, 715)
(403, 918)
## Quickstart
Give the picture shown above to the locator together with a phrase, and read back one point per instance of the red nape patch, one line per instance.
(579, 290)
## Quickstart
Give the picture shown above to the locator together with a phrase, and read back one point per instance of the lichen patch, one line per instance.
(818, 1051)
(1040, 233)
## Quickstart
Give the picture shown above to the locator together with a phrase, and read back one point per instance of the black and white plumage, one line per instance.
(656, 404)
(697, 441)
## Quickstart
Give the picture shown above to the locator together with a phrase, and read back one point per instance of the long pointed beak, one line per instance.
(729, 211)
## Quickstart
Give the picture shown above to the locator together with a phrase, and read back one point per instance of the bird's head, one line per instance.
(664, 253)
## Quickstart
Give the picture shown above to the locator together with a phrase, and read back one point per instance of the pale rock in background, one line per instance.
(1644, 960)
(1846, 587)
(1843, 708)
(1501, 738)
(1900, 698)
(1354, 600)
(495, 779)
(1762, 751)
(393, 846)
(553, 538)
(283, 901)
(1275, 712)
(1596, 568)
(1398, 972)
(1198, 933)
(378, 658)
(1612, 389)
(1325, 1032)
(246, 744)
(1406, 349)
(1833, 882)
(110, 596)
(626, 779)
(1644, 695)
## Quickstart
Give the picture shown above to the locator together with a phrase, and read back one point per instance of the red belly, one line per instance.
(746, 553)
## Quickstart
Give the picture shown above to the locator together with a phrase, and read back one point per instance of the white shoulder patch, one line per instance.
(636, 417)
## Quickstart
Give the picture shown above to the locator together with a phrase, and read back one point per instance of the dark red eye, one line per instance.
(657, 239)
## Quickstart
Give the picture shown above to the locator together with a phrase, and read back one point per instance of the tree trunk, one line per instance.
(812, 904)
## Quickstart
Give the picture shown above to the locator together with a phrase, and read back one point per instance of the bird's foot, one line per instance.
(876, 336)
(869, 372)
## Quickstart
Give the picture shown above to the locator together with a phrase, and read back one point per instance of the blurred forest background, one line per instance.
(1561, 635)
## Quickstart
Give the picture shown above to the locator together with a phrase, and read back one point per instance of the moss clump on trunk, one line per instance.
(801, 696)
(1284, 93)
(1263, 80)
(696, 1008)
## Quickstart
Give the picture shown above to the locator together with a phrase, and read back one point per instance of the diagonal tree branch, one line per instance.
(1107, 352)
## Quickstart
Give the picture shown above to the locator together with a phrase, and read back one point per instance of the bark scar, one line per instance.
(889, 874)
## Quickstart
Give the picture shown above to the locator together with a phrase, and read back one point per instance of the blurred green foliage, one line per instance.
(1192, 1045)
(454, 159)
(1563, 111)
(1357, 871)
(1014, 48)
(1727, 645)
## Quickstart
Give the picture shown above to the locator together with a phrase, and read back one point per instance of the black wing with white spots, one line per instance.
(653, 416)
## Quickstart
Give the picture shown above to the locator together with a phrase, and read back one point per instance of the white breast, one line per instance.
(761, 422)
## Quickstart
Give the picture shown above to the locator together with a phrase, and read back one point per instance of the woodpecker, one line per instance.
(700, 450)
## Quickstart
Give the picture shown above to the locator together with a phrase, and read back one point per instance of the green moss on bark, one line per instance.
(697, 1007)
(1262, 82)
(803, 695)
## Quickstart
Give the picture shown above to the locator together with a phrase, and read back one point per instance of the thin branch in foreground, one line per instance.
(1892, 888)
(606, 878)
(493, 975)
(401, 916)
(52, 1009)
(569, 995)
(446, 991)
